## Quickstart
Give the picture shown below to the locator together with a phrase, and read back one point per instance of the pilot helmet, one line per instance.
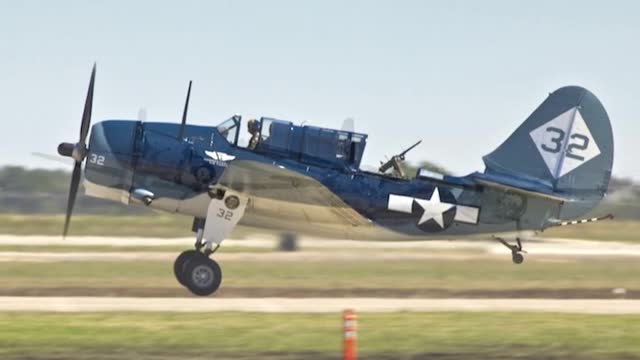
(252, 125)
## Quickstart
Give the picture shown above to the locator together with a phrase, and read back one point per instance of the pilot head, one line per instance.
(252, 126)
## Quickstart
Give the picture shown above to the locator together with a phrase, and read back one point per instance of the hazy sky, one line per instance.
(461, 75)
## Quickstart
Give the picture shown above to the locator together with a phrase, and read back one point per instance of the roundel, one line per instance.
(204, 175)
(430, 212)
(435, 223)
(436, 213)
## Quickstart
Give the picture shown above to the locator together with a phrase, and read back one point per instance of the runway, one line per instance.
(310, 249)
(298, 256)
(313, 305)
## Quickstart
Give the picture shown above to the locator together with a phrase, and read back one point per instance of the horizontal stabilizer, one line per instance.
(520, 186)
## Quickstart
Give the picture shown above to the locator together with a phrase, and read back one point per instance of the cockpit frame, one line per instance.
(232, 124)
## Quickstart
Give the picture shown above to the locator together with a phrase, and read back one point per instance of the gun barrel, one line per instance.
(410, 148)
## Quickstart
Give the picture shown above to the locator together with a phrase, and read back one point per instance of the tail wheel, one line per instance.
(517, 258)
(202, 275)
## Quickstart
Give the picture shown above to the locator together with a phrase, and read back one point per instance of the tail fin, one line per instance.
(565, 145)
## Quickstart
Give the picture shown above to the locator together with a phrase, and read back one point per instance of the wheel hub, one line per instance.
(202, 276)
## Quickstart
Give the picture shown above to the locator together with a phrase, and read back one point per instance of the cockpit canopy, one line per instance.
(308, 144)
(230, 129)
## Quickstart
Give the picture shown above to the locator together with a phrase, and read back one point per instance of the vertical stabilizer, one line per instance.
(565, 145)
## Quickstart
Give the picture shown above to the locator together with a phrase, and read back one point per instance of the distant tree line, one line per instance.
(40, 191)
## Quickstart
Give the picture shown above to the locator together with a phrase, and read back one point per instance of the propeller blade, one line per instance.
(349, 125)
(78, 151)
(50, 157)
(73, 191)
(142, 114)
(88, 105)
(184, 113)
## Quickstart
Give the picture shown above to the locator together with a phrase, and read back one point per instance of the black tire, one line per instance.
(517, 258)
(202, 276)
(180, 264)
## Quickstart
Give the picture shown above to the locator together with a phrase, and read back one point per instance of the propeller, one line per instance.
(78, 151)
(349, 125)
(50, 157)
(142, 114)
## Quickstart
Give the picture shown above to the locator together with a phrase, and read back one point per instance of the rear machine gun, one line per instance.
(395, 162)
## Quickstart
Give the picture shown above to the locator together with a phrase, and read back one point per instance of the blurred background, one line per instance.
(450, 73)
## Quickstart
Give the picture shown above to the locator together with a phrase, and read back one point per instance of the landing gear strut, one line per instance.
(194, 268)
(516, 250)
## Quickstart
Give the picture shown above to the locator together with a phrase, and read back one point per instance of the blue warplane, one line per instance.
(554, 168)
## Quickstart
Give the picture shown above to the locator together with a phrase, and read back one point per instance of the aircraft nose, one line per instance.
(110, 159)
(113, 139)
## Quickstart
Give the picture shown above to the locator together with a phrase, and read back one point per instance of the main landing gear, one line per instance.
(197, 272)
(194, 268)
(516, 250)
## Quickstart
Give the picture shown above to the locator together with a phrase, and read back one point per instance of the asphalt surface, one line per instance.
(320, 249)
(313, 305)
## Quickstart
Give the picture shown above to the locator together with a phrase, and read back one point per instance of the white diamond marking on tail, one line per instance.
(565, 142)
(581, 146)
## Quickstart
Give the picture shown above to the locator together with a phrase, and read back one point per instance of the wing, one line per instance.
(276, 191)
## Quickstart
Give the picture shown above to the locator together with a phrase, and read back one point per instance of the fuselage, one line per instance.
(287, 194)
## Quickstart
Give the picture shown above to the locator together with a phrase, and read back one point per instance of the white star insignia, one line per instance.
(433, 208)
